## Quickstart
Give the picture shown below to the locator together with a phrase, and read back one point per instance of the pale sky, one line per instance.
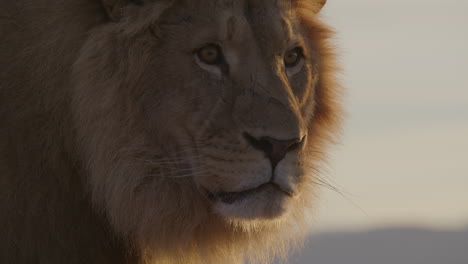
(404, 154)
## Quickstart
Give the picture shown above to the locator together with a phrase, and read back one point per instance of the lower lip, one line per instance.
(233, 197)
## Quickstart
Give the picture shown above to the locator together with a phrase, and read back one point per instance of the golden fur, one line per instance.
(113, 139)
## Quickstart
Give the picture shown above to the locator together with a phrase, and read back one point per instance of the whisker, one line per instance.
(322, 180)
(176, 176)
(177, 170)
(171, 160)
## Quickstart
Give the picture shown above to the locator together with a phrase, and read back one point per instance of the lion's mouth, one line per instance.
(233, 197)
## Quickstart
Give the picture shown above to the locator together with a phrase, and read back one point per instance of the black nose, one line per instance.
(274, 149)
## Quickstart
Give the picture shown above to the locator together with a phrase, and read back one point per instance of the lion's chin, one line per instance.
(266, 202)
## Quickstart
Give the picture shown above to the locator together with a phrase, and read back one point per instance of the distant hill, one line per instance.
(387, 246)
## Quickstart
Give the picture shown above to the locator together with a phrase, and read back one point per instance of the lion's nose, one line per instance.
(274, 149)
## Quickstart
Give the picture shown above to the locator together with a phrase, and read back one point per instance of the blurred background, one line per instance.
(402, 167)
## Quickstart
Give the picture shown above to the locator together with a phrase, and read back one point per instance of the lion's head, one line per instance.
(202, 123)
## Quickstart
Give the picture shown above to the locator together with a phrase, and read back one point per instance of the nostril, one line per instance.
(261, 144)
(274, 149)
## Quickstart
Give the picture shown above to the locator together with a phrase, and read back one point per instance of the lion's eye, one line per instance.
(293, 57)
(210, 54)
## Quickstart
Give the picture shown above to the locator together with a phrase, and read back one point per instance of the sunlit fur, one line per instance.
(103, 148)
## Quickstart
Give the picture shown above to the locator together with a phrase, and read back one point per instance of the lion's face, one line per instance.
(202, 107)
(240, 99)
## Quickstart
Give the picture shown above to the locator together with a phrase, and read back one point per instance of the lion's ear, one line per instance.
(319, 5)
(313, 5)
(114, 7)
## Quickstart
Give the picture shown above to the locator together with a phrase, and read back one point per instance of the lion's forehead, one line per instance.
(271, 22)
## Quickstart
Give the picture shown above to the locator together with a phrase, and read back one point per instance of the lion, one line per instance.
(162, 131)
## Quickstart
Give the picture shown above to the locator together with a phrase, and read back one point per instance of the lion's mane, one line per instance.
(65, 111)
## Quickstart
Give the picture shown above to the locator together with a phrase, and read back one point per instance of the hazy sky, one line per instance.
(404, 156)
